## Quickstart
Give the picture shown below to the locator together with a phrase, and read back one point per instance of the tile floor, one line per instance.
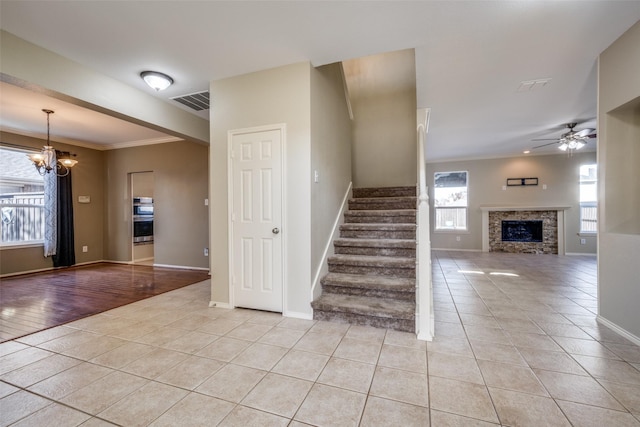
(518, 348)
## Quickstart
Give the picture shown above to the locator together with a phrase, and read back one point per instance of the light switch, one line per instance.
(84, 199)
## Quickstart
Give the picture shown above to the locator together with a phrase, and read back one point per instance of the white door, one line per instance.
(256, 217)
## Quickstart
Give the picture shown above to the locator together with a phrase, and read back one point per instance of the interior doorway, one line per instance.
(256, 218)
(142, 209)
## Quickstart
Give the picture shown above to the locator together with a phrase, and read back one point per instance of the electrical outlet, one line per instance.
(206, 251)
(457, 238)
(583, 241)
(85, 249)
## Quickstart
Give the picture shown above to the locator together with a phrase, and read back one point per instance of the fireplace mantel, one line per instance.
(523, 208)
(485, 221)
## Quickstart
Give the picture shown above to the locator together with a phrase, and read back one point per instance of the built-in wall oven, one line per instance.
(142, 220)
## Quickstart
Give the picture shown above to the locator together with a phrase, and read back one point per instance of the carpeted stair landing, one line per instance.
(371, 279)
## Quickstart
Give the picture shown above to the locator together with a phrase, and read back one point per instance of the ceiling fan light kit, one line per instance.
(571, 140)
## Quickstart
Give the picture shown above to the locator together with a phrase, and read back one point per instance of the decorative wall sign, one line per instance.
(519, 182)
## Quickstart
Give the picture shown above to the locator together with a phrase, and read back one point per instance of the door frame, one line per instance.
(282, 127)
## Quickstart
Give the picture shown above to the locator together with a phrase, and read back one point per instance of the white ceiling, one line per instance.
(21, 112)
(470, 55)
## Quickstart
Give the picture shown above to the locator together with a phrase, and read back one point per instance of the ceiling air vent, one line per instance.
(196, 101)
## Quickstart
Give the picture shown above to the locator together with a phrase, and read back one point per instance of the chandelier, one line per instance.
(45, 161)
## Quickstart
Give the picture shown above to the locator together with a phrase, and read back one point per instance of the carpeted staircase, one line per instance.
(371, 279)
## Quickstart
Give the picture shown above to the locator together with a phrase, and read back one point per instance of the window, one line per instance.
(21, 198)
(588, 198)
(450, 200)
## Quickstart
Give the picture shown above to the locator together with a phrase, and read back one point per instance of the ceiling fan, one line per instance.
(571, 140)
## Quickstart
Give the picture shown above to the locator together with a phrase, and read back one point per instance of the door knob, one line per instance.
(275, 230)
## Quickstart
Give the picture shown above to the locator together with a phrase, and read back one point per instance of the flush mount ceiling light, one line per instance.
(156, 80)
(45, 161)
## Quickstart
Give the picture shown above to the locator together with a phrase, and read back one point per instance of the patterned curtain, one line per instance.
(50, 211)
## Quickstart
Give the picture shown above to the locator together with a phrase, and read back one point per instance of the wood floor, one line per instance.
(34, 302)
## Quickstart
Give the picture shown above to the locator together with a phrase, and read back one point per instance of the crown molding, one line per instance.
(92, 145)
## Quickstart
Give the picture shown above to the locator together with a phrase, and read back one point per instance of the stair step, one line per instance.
(386, 203)
(384, 192)
(371, 279)
(364, 310)
(407, 216)
(374, 286)
(378, 231)
(374, 265)
(377, 247)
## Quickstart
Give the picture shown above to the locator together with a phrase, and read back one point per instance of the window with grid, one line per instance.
(588, 199)
(450, 200)
(21, 198)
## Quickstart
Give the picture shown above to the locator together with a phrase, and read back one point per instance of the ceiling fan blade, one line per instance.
(546, 139)
(544, 145)
(584, 132)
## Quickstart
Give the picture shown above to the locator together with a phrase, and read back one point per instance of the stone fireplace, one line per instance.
(520, 223)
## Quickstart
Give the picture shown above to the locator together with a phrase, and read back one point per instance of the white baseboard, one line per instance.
(20, 273)
(298, 315)
(88, 262)
(456, 250)
(41, 270)
(580, 254)
(424, 336)
(219, 304)
(181, 267)
(617, 329)
(322, 266)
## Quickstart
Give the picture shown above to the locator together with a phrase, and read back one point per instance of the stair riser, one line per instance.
(379, 293)
(375, 271)
(378, 234)
(384, 192)
(395, 252)
(358, 319)
(375, 219)
(382, 204)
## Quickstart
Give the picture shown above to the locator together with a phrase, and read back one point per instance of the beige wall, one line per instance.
(87, 179)
(27, 65)
(104, 224)
(180, 171)
(619, 175)
(182, 167)
(280, 95)
(383, 98)
(330, 157)
(560, 173)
